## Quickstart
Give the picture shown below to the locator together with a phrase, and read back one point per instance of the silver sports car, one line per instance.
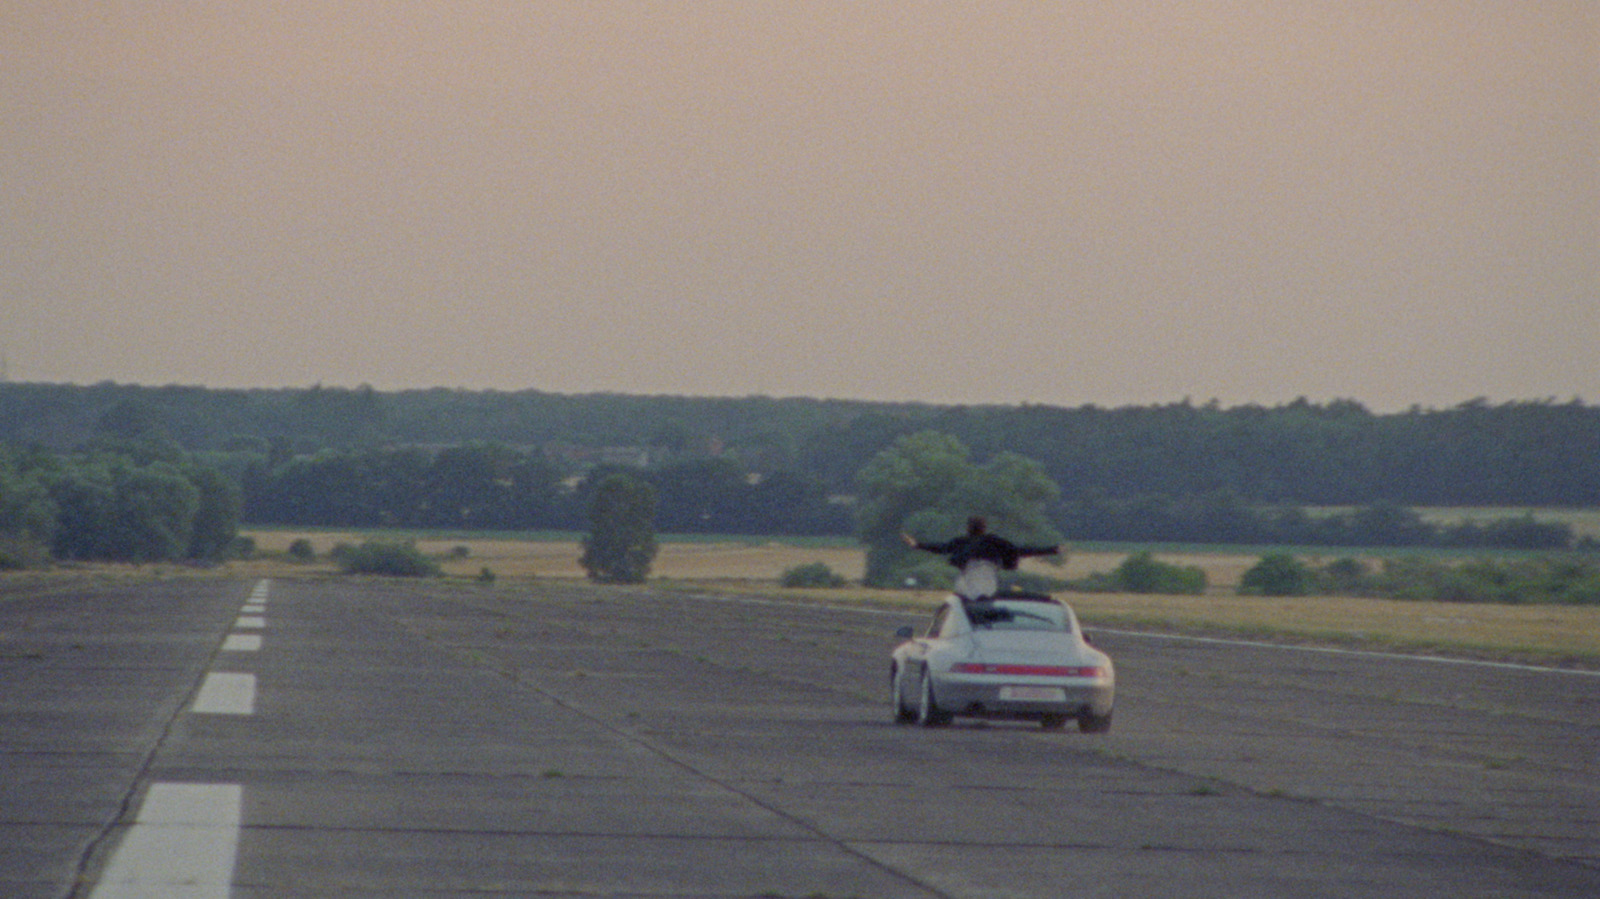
(1013, 656)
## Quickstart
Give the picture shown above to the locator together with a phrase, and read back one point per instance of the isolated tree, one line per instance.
(621, 542)
(927, 484)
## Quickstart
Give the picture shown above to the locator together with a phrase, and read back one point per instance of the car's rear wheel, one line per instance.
(928, 712)
(897, 698)
(1091, 723)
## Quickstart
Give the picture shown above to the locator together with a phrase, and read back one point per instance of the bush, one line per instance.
(1142, 573)
(813, 574)
(1559, 579)
(1346, 576)
(301, 550)
(19, 551)
(1277, 574)
(395, 559)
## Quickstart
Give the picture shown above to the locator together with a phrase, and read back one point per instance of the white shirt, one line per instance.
(980, 577)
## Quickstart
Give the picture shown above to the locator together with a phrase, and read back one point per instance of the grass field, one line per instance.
(1543, 633)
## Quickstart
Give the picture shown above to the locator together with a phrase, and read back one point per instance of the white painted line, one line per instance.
(226, 693)
(241, 643)
(253, 608)
(1333, 650)
(250, 621)
(182, 845)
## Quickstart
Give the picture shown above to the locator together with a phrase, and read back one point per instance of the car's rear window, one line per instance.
(1016, 615)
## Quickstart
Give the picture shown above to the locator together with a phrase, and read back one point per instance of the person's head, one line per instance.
(976, 526)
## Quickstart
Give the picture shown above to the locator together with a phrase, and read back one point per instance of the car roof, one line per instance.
(1010, 597)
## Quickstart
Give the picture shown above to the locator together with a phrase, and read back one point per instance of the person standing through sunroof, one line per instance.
(980, 556)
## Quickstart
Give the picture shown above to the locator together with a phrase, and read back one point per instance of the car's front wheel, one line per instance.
(928, 712)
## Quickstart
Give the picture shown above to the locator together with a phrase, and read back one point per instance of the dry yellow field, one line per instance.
(730, 561)
(1537, 633)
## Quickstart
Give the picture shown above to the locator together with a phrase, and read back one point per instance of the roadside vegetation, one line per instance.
(396, 559)
(133, 501)
(1297, 474)
(1480, 504)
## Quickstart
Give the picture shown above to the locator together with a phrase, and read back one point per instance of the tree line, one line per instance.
(527, 460)
(114, 501)
(1521, 453)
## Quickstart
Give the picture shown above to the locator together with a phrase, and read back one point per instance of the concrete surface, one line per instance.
(420, 739)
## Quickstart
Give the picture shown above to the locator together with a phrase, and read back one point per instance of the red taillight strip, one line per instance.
(1028, 670)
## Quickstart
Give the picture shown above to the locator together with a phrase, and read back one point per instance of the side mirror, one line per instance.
(1087, 639)
(905, 633)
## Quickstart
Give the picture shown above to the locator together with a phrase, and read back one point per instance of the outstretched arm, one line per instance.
(914, 543)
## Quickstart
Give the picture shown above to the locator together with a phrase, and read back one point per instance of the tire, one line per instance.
(897, 693)
(928, 712)
(1091, 723)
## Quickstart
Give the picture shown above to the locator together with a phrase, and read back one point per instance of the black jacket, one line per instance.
(998, 550)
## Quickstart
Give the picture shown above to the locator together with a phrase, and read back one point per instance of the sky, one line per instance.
(1057, 203)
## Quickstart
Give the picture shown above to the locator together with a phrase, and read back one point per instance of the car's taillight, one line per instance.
(1028, 670)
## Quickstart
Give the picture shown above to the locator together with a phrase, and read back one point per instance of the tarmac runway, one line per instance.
(207, 738)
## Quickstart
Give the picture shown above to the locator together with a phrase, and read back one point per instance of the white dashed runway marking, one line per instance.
(241, 643)
(182, 845)
(226, 693)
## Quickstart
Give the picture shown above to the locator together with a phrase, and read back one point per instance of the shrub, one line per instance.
(395, 559)
(19, 551)
(813, 574)
(1345, 576)
(1277, 574)
(1142, 573)
(1563, 579)
(301, 550)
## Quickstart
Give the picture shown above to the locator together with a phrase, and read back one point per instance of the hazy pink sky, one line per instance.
(1061, 203)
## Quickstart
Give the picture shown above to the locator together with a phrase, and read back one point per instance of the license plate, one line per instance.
(1033, 694)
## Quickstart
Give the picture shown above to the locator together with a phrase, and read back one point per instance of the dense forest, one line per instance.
(517, 460)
